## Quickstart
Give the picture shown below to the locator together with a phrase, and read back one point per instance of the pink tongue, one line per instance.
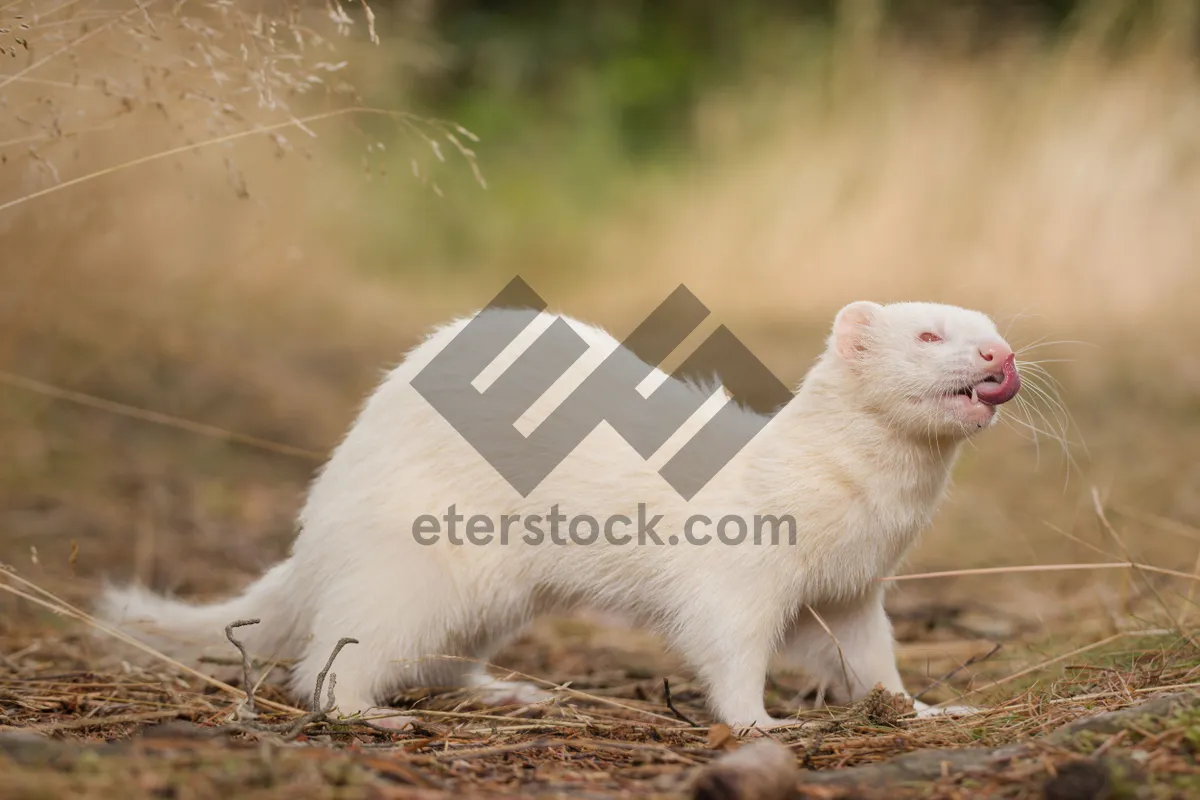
(996, 393)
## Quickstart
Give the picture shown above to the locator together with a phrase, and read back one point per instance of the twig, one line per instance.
(337, 648)
(319, 713)
(671, 704)
(247, 684)
(975, 659)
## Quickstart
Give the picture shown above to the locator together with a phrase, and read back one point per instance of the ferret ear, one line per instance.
(851, 327)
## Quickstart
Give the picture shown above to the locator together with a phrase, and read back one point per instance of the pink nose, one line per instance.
(996, 352)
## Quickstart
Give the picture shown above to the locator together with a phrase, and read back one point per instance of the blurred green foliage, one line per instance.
(577, 104)
(634, 69)
(629, 72)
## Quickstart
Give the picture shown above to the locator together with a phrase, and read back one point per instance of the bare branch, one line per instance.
(316, 704)
(247, 684)
(671, 704)
(287, 730)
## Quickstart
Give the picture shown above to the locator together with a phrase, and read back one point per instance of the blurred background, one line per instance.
(231, 217)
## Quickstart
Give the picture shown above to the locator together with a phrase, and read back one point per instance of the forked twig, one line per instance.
(337, 648)
(247, 684)
(287, 730)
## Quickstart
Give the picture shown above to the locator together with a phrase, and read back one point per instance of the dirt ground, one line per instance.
(185, 331)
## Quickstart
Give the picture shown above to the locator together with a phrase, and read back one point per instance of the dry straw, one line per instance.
(217, 73)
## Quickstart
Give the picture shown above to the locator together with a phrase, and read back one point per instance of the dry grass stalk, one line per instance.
(841, 655)
(1015, 570)
(154, 417)
(1099, 506)
(59, 606)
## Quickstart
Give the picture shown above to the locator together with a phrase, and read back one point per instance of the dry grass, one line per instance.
(212, 289)
(608, 730)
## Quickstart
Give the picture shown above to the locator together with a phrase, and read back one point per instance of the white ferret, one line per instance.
(859, 459)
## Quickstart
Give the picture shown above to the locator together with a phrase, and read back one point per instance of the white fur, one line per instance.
(860, 457)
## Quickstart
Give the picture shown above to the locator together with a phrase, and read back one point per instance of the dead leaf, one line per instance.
(720, 737)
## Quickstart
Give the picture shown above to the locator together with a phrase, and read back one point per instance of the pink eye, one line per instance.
(930, 337)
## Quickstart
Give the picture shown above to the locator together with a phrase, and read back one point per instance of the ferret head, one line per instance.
(930, 369)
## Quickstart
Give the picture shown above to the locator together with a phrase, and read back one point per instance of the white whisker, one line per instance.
(1039, 343)
(1052, 361)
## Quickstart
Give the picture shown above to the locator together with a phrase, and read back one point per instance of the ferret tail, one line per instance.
(187, 631)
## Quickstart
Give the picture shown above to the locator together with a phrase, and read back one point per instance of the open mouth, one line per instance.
(994, 390)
